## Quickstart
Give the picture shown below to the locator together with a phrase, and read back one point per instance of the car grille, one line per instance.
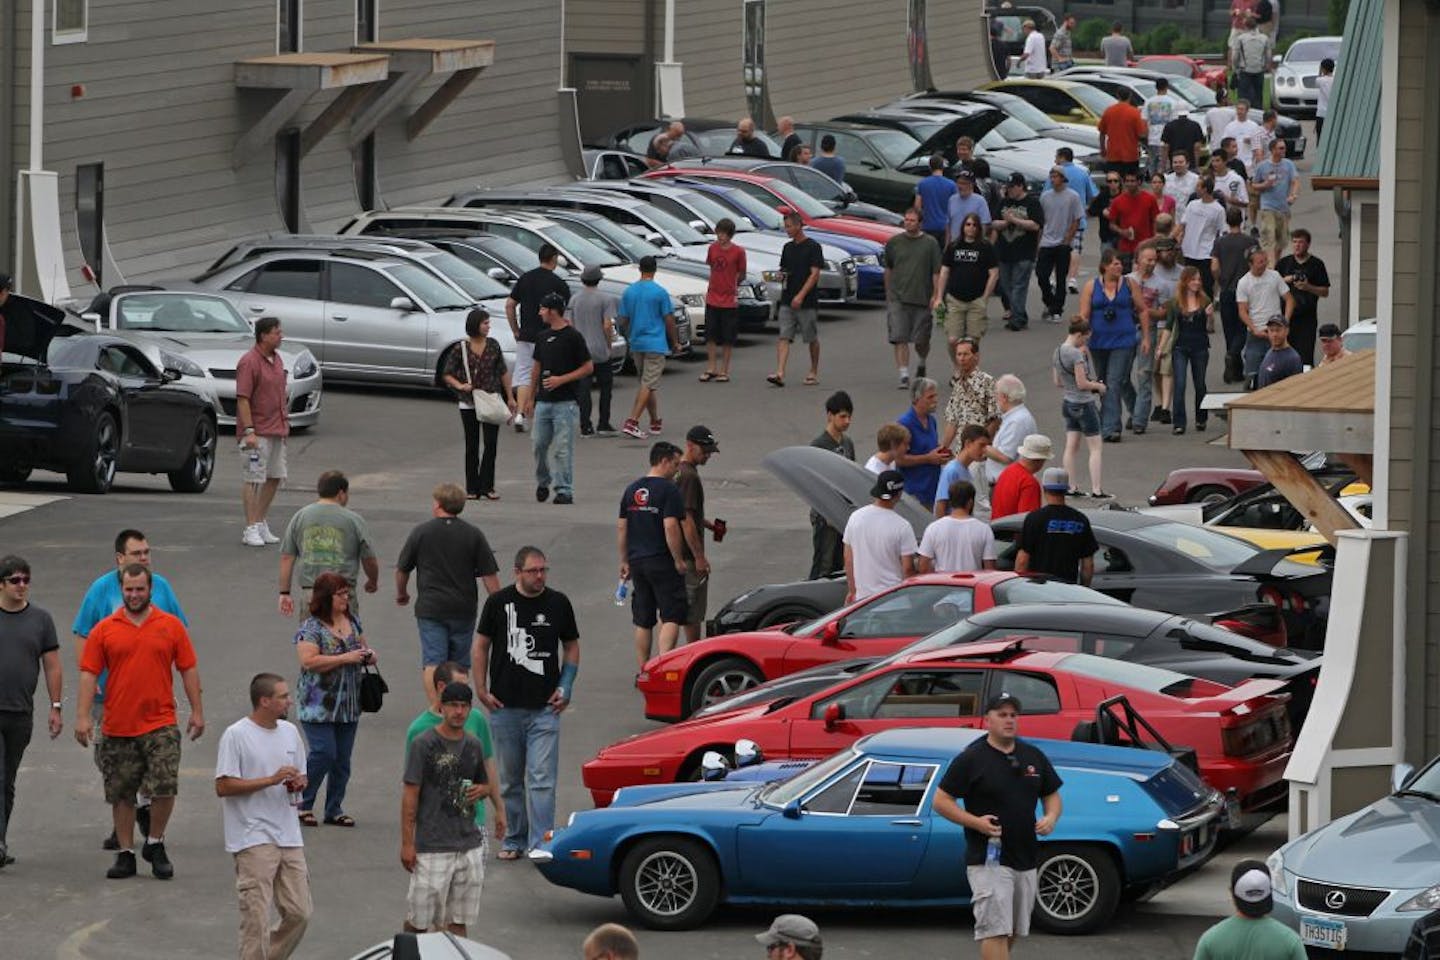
(222, 374)
(299, 404)
(1308, 81)
(1358, 901)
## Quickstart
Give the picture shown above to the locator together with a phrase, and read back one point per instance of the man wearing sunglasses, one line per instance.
(792, 937)
(27, 642)
(1001, 778)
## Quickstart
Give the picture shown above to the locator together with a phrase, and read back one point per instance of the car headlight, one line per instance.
(1424, 900)
(1276, 864)
(184, 364)
(693, 299)
(304, 366)
(773, 276)
(832, 266)
(868, 260)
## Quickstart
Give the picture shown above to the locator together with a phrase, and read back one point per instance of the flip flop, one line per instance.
(508, 855)
(491, 495)
(722, 378)
(774, 381)
(811, 380)
(344, 820)
(708, 375)
(307, 819)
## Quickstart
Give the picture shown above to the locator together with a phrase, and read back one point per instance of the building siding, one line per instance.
(958, 46)
(606, 26)
(708, 38)
(1369, 230)
(823, 61)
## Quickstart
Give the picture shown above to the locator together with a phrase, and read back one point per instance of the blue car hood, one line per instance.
(1394, 842)
(710, 796)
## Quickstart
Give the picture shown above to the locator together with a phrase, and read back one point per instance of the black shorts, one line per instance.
(658, 587)
(722, 325)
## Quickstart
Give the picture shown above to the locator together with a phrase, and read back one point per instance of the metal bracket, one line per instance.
(443, 96)
(390, 94)
(263, 132)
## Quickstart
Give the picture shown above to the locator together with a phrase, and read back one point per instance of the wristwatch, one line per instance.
(56, 704)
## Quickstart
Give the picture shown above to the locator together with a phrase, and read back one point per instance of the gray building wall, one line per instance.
(162, 112)
(1369, 232)
(822, 59)
(959, 51)
(708, 40)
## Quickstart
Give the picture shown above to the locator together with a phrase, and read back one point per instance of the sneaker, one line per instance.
(587, 431)
(1139, 431)
(605, 431)
(1161, 414)
(1199, 426)
(251, 537)
(142, 819)
(920, 369)
(111, 842)
(904, 379)
(519, 423)
(563, 498)
(542, 493)
(632, 429)
(1072, 286)
(1053, 318)
(160, 865)
(655, 426)
(124, 866)
(266, 535)
(540, 856)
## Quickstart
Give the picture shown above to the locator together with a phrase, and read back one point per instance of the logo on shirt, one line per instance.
(520, 644)
(642, 496)
(1030, 770)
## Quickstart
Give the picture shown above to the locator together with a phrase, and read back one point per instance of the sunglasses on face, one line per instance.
(19, 579)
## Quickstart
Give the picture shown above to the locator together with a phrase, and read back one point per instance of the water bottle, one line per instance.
(254, 456)
(622, 592)
(992, 852)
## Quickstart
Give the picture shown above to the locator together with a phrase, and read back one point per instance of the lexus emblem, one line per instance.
(1335, 899)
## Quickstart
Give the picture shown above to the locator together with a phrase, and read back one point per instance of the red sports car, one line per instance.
(1241, 735)
(1204, 485)
(780, 194)
(1210, 74)
(678, 683)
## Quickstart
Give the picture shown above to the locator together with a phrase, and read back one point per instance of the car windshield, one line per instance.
(511, 253)
(1011, 130)
(1359, 339)
(678, 230)
(1175, 68)
(800, 200)
(709, 210)
(894, 146)
(1313, 51)
(781, 793)
(762, 216)
(1137, 676)
(169, 313)
(1027, 113)
(430, 289)
(476, 283)
(1215, 550)
(1096, 101)
(1193, 90)
(597, 240)
(1041, 590)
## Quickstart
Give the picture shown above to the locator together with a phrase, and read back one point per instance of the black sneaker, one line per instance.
(142, 820)
(4, 855)
(1199, 426)
(587, 431)
(920, 369)
(605, 430)
(542, 493)
(154, 854)
(563, 498)
(124, 866)
(1161, 415)
(112, 842)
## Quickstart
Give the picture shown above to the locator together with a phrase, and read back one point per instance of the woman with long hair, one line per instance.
(1162, 200)
(477, 364)
(1079, 403)
(1191, 318)
(1114, 306)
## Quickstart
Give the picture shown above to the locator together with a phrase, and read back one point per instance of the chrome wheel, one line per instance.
(199, 467)
(107, 452)
(721, 678)
(1067, 887)
(666, 883)
(727, 684)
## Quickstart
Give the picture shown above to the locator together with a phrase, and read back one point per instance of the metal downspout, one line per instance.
(1341, 199)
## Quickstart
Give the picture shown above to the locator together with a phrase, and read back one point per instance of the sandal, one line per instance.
(708, 375)
(1073, 492)
(811, 380)
(775, 380)
(307, 819)
(489, 495)
(508, 855)
(344, 820)
(722, 378)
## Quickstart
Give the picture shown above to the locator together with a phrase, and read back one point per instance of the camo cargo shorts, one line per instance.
(147, 764)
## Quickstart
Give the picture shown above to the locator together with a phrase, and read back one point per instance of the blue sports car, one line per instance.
(856, 829)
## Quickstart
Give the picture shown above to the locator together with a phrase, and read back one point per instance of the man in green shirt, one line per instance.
(327, 537)
(1252, 934)
(476, 725)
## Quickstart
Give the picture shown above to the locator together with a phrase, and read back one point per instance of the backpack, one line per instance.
(1264, 11)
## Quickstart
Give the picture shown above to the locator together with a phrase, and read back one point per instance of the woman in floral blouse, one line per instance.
(479, 365)
(332, 651)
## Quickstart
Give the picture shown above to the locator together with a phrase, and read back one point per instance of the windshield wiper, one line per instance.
(1423, 794)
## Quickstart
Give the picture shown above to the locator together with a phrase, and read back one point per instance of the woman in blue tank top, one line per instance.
(1119, 322)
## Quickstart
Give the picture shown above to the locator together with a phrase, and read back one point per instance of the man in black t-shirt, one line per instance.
(524, 634)
(801, 260)
(522, 309)
(1183, 135)
(560, 365)
(1057, 539)
(652, 551)
(1309, 281)
(1018, 221)
(1001, 778)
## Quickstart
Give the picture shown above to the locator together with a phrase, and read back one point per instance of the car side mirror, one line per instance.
(170, 375)
(747, 753)
(849, 194)
(1276, 59)
(791, 810)
(565, 262)
(833, 715)
(1400, 775)
(402, 303)
(501, 274)
(91, 316)
(701, 226)
(830, 633)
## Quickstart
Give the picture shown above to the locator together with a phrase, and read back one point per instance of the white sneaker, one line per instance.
(1072, 286)
(252, 536)
(519, 423)
(265, 533)
(540, 856)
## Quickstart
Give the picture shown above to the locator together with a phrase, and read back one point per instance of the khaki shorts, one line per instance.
(908, 323)
(524, 363)
(650, 366)
(148, 764)
(965, 318)
(445, 889)
(1164, 340)
(697, 590)
(1001, 899)
(802, 324)
(1274, 229)
(268, 465)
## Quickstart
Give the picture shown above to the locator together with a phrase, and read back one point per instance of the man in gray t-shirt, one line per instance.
(327, 537)
(1063, 212)
(593, 313)
(1116, 48)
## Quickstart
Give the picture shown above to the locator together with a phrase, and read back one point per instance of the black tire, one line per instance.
(670, 883)
(93, 471)
(1077, 888)
(194, 476)
(15, 473)
(788, 613)
(723, 678)
(1209, 493)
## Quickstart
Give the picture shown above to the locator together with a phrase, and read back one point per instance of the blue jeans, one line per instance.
(1144, 377)
(527, 743)
(553, 439)
(442, 640)
(330, 747)
(1015, 282)
(1254, 353)
(1113, 369)
(1195, 357)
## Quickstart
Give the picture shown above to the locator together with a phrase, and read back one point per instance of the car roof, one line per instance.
(1106, 519)
(960, 108)
(1072, 615)
(1057, 82)
(963, 578)
(517, 215)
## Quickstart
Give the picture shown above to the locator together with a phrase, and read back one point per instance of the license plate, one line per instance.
(1316, 932)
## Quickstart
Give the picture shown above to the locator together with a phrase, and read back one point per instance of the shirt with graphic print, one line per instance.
(444, 819)
(326, 538)
(525, 635)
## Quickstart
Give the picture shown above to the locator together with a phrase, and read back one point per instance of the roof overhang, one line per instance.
(1346, 183)
(411, 63)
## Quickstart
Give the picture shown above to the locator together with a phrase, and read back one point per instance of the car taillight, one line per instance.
(1271, 594)
(1275, 636)
(1244, 734)
(1297, 603)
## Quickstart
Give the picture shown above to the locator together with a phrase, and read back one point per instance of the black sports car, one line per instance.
(91, 405)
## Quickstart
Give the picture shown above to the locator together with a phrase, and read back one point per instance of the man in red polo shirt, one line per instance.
(1122, 130)
(139, 644)
(1016, 490)
(262, 422)
(1132, 217)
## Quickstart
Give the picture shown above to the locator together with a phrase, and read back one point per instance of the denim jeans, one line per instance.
(1188, 359)
(1144, 379)
(1015, 281)
(15, 729)
(553, 439)
(604, 378)
(1254, 353)
(1053, 261)
(442, 640)
(1113, 369)
(1231, 323)
(827, 551)
(330, 747)
(527, 743)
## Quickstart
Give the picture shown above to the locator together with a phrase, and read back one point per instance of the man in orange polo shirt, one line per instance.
(139, 644)
(1122, 130)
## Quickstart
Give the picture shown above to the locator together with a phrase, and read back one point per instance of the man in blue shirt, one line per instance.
(932, 199)
(650, 327)
(102, 599)
(1081, 183)
(964, 202)
(828, 163)
(1278, 183)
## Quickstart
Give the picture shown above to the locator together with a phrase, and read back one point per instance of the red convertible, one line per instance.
(678, 683)
(1177, 64)
(1241, 735)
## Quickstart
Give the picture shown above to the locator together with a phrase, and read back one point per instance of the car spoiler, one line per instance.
(1238, 696)
(1263, 563)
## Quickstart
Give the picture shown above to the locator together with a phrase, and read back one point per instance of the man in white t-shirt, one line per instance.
(958, 542)
(1180, 182)
(1230, 188)
(1201, 223)
(1260, 294)
(259, 774)
(1158, 111)
(1249, 135)
(1032, 60)
(879, 543)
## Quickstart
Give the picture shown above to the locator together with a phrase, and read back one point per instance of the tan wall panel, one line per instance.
(825, 59)
(959, 48)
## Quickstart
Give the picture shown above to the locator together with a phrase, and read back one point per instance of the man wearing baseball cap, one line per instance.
(1018, 219)
(1001, 778)
(700, 444)
(792, 935)
(1332, 344)
(879, 543)
(1251, 934)
(560, 365)
(1281, 360)
(1057, 539)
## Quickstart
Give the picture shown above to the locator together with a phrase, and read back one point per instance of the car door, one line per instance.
(288, 288)
(156, 423)
(865, 170)
(860, 835)
(931, 697)
(364, 334)
(886, 624)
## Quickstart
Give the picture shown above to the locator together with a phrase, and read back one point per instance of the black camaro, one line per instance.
(90, 406)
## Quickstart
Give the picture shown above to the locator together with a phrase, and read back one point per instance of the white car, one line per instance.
(1294, 86)
(1361, 336)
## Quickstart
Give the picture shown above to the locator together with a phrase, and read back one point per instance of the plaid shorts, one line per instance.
(445, 888)
(148, 764)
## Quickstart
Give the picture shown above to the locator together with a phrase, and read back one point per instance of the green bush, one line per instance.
(1194, 46)
(1336, 14)
(1089, 33)
(1160, 40)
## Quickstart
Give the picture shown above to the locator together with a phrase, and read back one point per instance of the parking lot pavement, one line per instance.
(396, 445)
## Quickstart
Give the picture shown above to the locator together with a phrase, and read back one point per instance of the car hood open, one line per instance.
(30, 326)
(835, 487)
(974, 125)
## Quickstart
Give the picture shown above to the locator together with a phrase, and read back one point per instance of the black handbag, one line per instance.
(372, 690)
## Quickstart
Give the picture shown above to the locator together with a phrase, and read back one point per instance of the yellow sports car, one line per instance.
(1065, 101)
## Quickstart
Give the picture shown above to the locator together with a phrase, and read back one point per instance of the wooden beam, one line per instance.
(339, 109)
(1362, 463)
(263, 132)
(392, 94)
(443, 96)
(1258, 428)
(1303, 491)
(1345, 183)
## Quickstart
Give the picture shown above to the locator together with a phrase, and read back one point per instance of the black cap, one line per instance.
(1017, 179)
(703, 438)
(552, 301)
(1277, 321)
(1250, 888)
(965, 173)
(1001, 699)
(456, 692)
(889, 485)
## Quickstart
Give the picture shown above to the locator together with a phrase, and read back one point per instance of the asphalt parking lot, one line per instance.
(395, 446)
